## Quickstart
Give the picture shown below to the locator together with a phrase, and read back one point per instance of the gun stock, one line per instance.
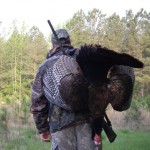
(111, 135)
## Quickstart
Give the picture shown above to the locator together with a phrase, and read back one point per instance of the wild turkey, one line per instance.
(111, 80)
(90, 81)
(110, 75)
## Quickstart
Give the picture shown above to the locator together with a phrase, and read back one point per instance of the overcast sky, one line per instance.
(37, 12)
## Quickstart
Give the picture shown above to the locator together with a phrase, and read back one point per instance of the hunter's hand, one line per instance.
(45, 136)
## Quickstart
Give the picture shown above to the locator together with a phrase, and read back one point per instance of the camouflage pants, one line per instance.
(74, 138)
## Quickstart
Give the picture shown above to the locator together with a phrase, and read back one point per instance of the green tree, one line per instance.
(37, 49)
(114, 33)
(76, 28)
(86, 28)
(143, 28)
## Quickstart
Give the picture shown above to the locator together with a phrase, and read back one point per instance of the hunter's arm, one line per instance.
(39, 105)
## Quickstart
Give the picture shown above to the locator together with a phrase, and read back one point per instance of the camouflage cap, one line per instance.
(62, 34)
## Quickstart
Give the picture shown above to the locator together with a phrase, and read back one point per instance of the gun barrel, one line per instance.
(56, 37)
(51, 26)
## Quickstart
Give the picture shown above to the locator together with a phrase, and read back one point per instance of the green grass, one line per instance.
(126, 140)
(129, 140)
(28, 139)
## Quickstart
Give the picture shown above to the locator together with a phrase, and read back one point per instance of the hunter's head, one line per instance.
(63, 37)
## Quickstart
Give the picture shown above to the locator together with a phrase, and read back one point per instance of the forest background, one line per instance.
(23, 50)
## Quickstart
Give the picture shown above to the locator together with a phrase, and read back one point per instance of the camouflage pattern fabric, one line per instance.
(78, 138)
(39, 105)
(46, 114)
(61, 118)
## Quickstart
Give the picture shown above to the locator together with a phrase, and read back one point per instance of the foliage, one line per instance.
(86, 28)
(3, 116)
(21, 55)
(134, 112)
(129, 34)
(4, 124)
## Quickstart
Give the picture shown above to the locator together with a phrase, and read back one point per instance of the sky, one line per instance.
(37, 12)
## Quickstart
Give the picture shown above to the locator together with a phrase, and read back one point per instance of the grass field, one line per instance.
(129, 140)
(27, 139)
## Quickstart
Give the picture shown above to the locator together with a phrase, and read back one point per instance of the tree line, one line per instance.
(129, 34)
(24, 51)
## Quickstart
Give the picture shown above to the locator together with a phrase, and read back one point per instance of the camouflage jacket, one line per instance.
(48, 116)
